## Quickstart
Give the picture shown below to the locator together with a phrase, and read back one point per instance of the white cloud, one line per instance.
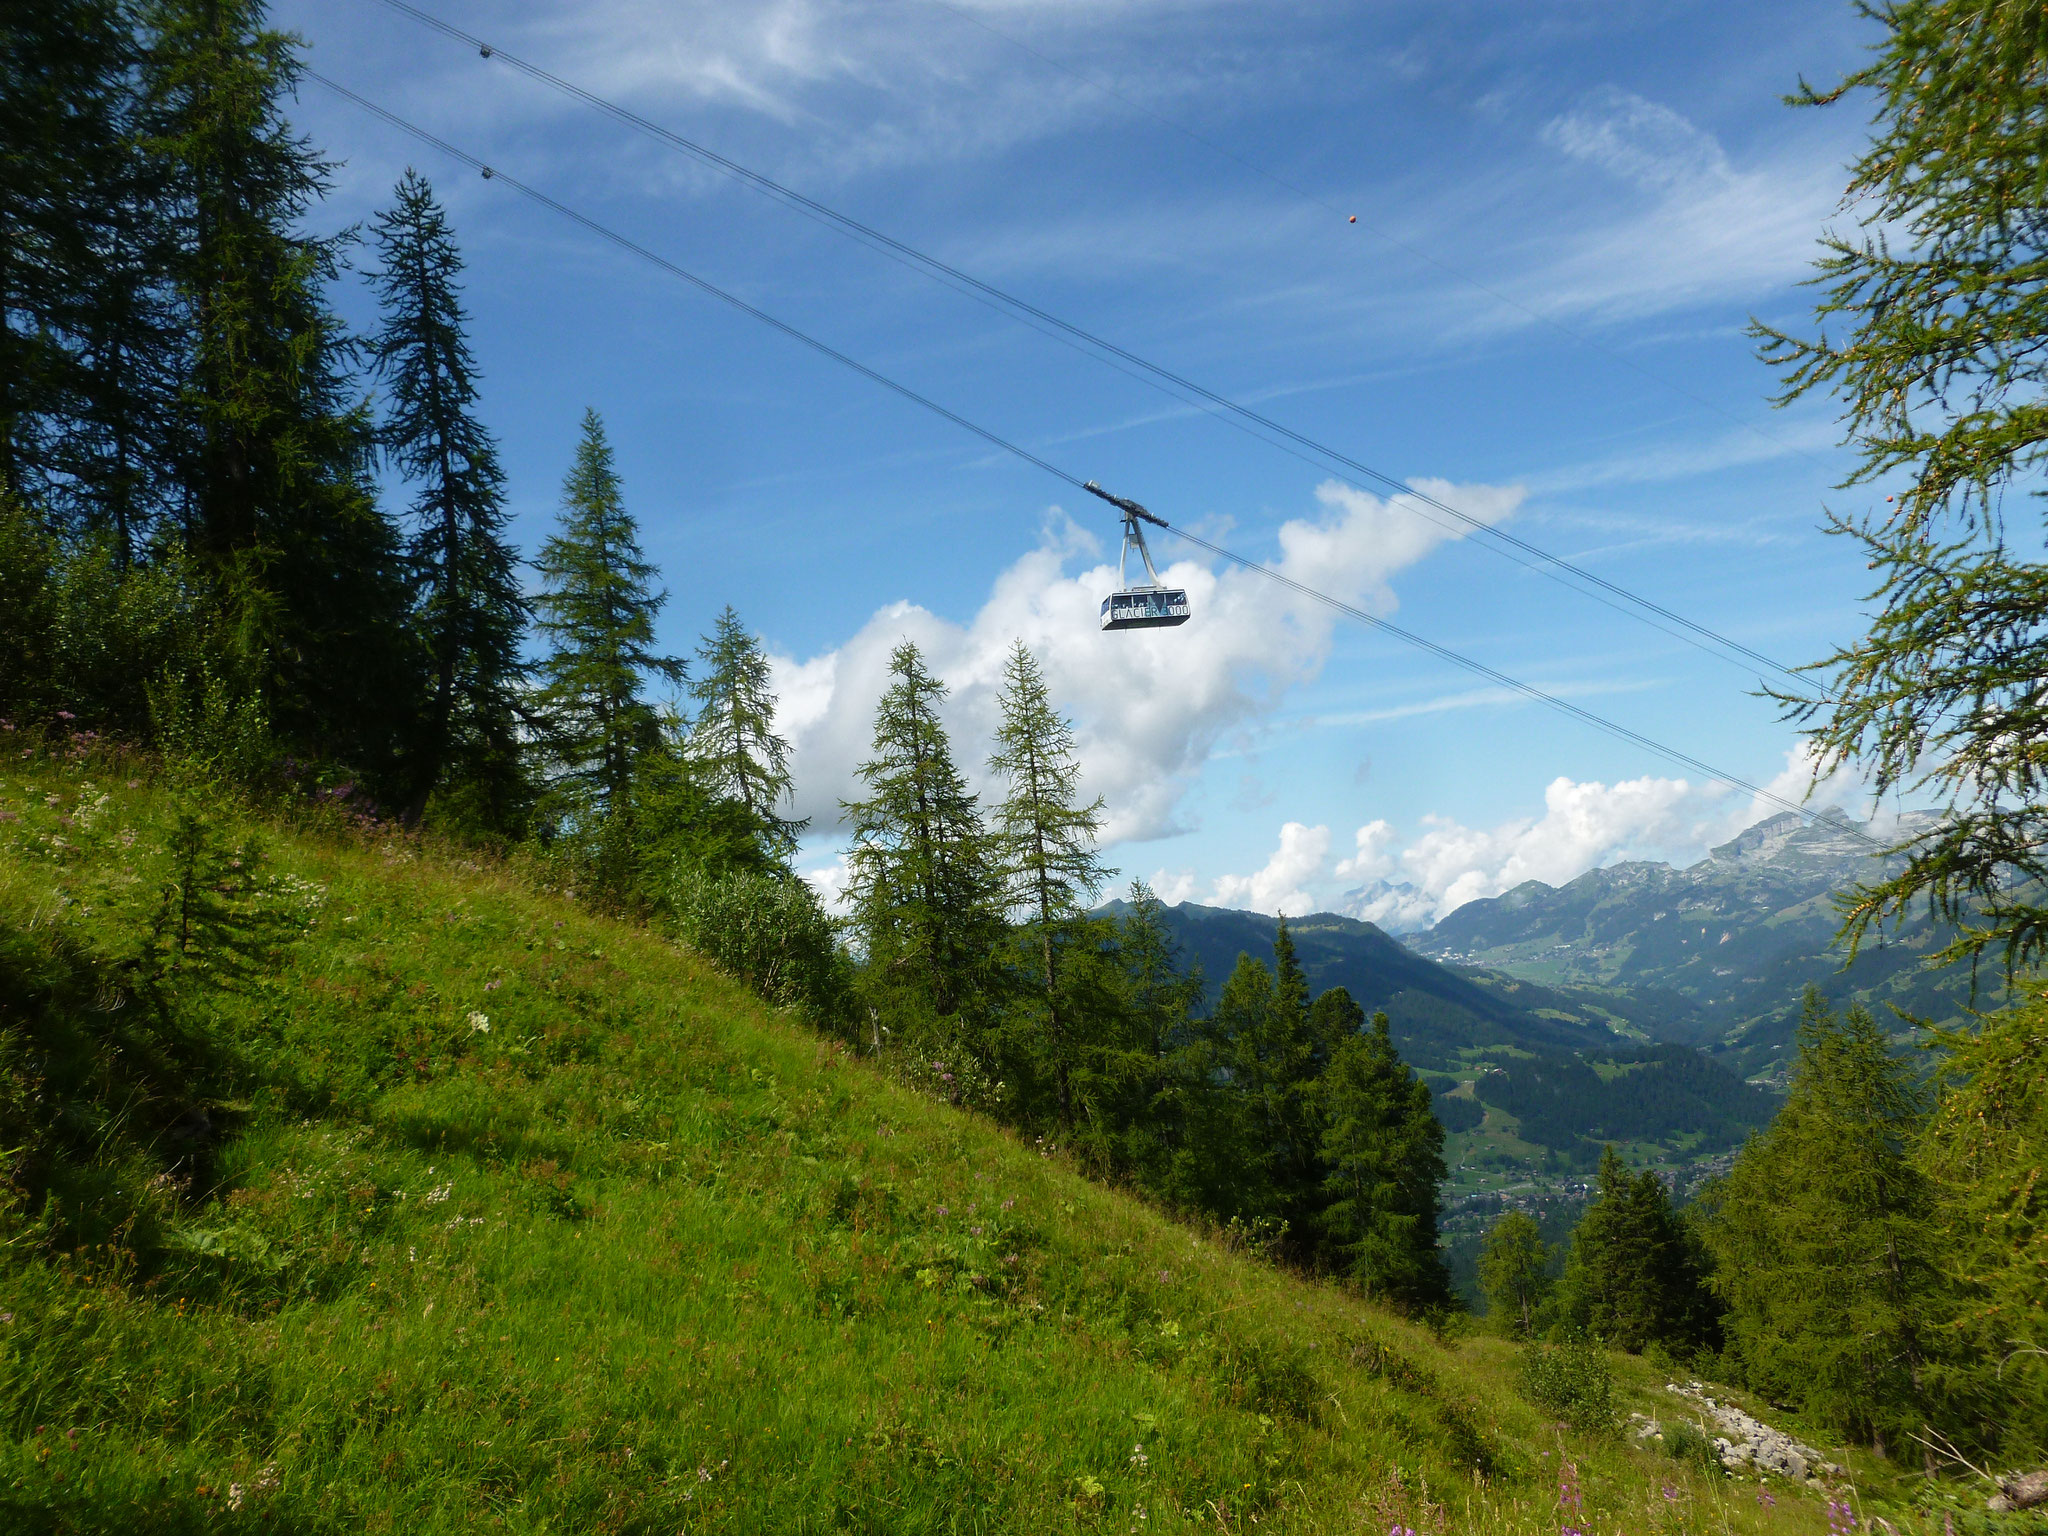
(1282, 887)
(1692, 226)
(1638, 140)
(1174, 886)
(1374, 857)
(1395, 906)
(1584, 825)
(1151, 706)
(830, 884)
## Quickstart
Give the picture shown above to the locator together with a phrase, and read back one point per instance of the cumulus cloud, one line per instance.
(1584, 825)
(1373, 859)
(1149, 706)
(1282, 887)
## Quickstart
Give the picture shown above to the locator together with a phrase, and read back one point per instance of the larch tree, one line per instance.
(1514, 1270)
(924, 879)
(1046, 838)
(467, 602)
(1823, 1237)
(733, 742)
(597, 608)
(1933, 335)
(1940, 363)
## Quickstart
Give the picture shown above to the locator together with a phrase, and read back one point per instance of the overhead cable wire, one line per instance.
(1419, 252)
(1257, 424)
(1350, 610)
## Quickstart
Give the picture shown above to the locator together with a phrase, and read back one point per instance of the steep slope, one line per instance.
(1717, 954)
(430, 1204)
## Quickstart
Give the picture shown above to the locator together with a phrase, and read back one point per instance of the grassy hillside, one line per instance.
(451, 1208)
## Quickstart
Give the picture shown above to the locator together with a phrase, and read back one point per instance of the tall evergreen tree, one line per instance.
(275, 485)
(467, 602)
(90, 354)
(1632, 1277)
(1514, 1270)
(1161, 992)
(1047, 845)
(1935, 339)
(61, 65)
(1985, 1154)
(925, 880)
(1383, 1155)
(597, 607)
(733, 741)
(1275, 1063)
(1824, 1242)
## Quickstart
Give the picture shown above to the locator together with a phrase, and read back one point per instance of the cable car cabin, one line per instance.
(1144, 608)
(1150, 606)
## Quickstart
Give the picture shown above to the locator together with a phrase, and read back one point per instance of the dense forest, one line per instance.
(199, 562)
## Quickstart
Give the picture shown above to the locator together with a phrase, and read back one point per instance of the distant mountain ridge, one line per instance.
(1716, 954)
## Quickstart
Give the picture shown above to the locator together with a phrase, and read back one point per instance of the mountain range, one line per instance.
(1639, 1002)
(1717, 954)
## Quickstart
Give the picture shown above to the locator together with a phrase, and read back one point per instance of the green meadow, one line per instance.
(427, 1201)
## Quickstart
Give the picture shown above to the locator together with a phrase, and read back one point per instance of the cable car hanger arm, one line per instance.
(1129, 508)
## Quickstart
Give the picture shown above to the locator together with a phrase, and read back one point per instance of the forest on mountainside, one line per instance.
(199, 575)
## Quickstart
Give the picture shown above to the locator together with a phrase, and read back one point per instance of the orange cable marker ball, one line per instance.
(1354, 218)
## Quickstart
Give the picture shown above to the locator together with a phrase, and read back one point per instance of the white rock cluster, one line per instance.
(1744, 1442)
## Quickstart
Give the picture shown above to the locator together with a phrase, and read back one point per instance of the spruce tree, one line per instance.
(275, 492)
(1382, 1152)
(1824, 1242)
(1632, 1276)
(733, 741)
(467, 603)
(1275, 1062)
(90, 351)
(1047, 845)
(1161, 992)
(597, 607)
(924, 876)
(1514, 1270)
(61, 65)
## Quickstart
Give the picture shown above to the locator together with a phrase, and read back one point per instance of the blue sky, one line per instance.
(1566, 214)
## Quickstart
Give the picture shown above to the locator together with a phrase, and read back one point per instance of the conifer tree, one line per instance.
(1161, 993)
(60, 73)
(1934, 336)
(275, 491)
(1514, 1270)
(1177, 1119)
(924, 878)
(733, 741)
(1632, 1276)
(1382, 1151)
(597, 607)
(1047, 846)
(1276, 1063)
(467, 603)
(1823, 1238)
(1985, 1154)
(90, 351)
